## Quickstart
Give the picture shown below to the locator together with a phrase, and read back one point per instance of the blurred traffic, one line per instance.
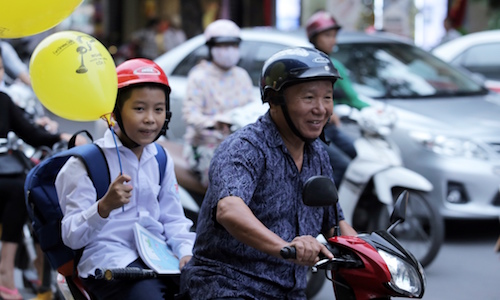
(432, 100)
(447, 121)
(445, 96)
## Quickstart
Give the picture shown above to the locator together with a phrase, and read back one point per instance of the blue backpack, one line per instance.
(43, 204)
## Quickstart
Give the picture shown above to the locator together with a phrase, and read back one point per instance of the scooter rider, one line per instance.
(253, 206)
(322, 29)
(215, 86)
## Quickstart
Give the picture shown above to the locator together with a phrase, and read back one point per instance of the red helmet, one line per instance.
(319, 22)
(141, 70)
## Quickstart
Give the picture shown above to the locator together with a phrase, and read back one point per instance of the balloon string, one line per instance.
(118, 153)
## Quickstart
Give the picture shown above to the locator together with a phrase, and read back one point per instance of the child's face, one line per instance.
(143, 114)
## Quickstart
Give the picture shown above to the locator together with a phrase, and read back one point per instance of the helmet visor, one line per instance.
(224, 40)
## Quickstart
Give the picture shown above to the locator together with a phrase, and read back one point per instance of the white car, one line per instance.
(476, 52)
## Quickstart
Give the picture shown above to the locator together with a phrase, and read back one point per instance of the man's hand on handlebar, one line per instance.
(308, 250)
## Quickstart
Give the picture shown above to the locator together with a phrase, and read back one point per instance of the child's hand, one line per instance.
(183, 261)
(118, 194)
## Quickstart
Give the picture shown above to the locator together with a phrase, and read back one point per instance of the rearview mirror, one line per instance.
(319, 191)
(399, 213)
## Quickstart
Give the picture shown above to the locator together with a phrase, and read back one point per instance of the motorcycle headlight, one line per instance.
(451, 146)
(405, 279)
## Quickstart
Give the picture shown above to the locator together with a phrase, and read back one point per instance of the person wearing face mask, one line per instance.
(215, 87)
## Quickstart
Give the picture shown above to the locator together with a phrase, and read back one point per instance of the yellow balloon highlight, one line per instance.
(20, 18)
(74, 76)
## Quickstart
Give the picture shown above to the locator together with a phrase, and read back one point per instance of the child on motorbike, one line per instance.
(104, 228)
(253, 206)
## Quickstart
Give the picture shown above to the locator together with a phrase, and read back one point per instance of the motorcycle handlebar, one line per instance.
(124, 273)
(288, 252)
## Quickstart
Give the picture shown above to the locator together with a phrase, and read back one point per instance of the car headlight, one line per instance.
(405, 279)
(451, 146)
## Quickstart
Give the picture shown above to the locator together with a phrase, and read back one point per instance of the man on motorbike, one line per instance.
(253, 207)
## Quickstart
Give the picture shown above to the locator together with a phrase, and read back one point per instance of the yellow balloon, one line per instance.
(19, 18)
(74, 76)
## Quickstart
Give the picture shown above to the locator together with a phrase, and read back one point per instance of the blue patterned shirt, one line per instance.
(254, 164)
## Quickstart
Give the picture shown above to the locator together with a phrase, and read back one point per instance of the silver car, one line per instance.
(476, 52)
(448, 125)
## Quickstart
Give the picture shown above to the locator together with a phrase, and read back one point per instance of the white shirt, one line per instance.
(109, 242)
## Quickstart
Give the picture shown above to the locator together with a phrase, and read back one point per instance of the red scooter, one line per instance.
(366, 266)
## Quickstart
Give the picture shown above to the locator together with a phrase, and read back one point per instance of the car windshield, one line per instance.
(394, 70)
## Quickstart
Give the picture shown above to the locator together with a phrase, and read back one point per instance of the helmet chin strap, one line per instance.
(129, 143)
(289, 121)
(322, 135)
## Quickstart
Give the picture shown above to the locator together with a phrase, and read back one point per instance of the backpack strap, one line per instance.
(96, 164)
(161, 157)
(98, 170)
(72, 140)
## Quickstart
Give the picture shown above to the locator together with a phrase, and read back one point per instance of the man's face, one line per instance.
(310, 105)
(326, 40)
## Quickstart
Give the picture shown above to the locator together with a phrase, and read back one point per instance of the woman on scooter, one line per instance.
(215, 86)
(253, 207)
(322, 29)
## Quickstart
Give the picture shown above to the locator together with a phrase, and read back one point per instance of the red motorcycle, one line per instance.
(367, 266)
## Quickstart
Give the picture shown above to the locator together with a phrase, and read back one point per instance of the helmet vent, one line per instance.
(146, 71)
(321, 60)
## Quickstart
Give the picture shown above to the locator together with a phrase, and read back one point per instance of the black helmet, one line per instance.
(295, 65)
